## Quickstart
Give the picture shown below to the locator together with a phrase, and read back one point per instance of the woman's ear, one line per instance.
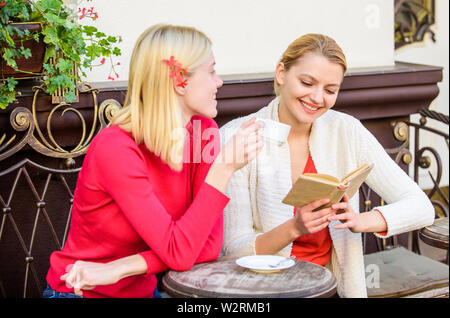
(280, 73)
(180, 90)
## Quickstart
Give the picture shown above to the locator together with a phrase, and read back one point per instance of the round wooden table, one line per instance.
(436, 234)
(225, 279)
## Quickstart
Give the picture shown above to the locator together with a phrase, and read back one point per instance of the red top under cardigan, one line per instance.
(314, 248)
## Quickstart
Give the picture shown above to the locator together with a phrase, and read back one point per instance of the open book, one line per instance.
(311, 187)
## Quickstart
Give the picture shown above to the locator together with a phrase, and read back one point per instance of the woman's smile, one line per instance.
(309, 108)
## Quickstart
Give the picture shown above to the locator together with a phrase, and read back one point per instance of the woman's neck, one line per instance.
(185, 118)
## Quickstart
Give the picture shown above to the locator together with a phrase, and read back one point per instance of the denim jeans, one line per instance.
(50, 293)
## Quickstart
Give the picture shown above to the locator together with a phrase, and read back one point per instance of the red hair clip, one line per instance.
(177, 71)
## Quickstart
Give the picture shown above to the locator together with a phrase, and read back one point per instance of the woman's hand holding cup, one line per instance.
(242, 148)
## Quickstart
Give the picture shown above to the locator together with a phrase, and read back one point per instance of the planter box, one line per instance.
(34, 63)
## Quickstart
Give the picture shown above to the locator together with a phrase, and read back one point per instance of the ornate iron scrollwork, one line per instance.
(22, 119)
(413, 19)
(29, 188)
(402, 153)
(422, 158)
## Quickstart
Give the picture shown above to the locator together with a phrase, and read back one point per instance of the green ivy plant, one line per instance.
(81, 45)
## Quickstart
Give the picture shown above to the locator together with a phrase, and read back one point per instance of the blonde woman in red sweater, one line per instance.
(150, 194)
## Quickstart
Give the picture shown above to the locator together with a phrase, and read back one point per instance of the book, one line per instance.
(311, 187)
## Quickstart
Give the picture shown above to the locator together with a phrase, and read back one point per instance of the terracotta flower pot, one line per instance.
(34, 63)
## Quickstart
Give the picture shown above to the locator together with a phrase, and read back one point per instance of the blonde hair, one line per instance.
(316, 43)
(151, 109)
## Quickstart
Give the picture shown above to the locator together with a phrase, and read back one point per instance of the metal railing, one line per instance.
(421, 159)
(36, 197)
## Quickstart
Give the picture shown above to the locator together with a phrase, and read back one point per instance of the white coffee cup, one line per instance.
(274, 131)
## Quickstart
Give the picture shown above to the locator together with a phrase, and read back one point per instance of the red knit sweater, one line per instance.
(128, 201)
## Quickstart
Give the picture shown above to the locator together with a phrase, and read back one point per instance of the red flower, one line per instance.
(176, 71)
(3, 3)
(170, 62)
(172, 74)
(183, 83)
(179, 78)
(102, 61)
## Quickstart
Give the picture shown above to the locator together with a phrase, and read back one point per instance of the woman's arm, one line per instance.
(372, 221)
(408, 208)
(306, 221)
(87, 275)
(177, 243)
(133, 265)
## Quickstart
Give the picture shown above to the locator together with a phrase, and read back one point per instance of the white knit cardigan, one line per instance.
(338, 144)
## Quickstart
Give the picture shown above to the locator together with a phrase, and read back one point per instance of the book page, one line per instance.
(325, 177)
(355, 172)
(313, 187)
(306, 191)
(356, 179)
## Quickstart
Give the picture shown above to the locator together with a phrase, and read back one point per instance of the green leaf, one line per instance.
(11, 83)
(8, 37)
(7, 92)
(64, 65)
(112, 39)
(70, 96)
(8, 56)
(100, 35)
(25, 14)
(49, 68)
(49, 5)
(35, 16)
(26, 52)
(117, 51)
(89, 30)
(54, 19)
(50, 35)
(93, 51)
(103, 42)
(49, 52)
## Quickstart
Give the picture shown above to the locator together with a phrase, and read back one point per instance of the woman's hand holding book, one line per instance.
(309, 221)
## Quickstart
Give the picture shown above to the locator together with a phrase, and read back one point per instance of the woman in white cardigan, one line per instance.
(307, 82)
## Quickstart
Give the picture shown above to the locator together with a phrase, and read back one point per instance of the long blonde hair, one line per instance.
(317, 43)
(151, 111)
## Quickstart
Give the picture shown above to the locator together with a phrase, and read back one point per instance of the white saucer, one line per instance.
(260, 263)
